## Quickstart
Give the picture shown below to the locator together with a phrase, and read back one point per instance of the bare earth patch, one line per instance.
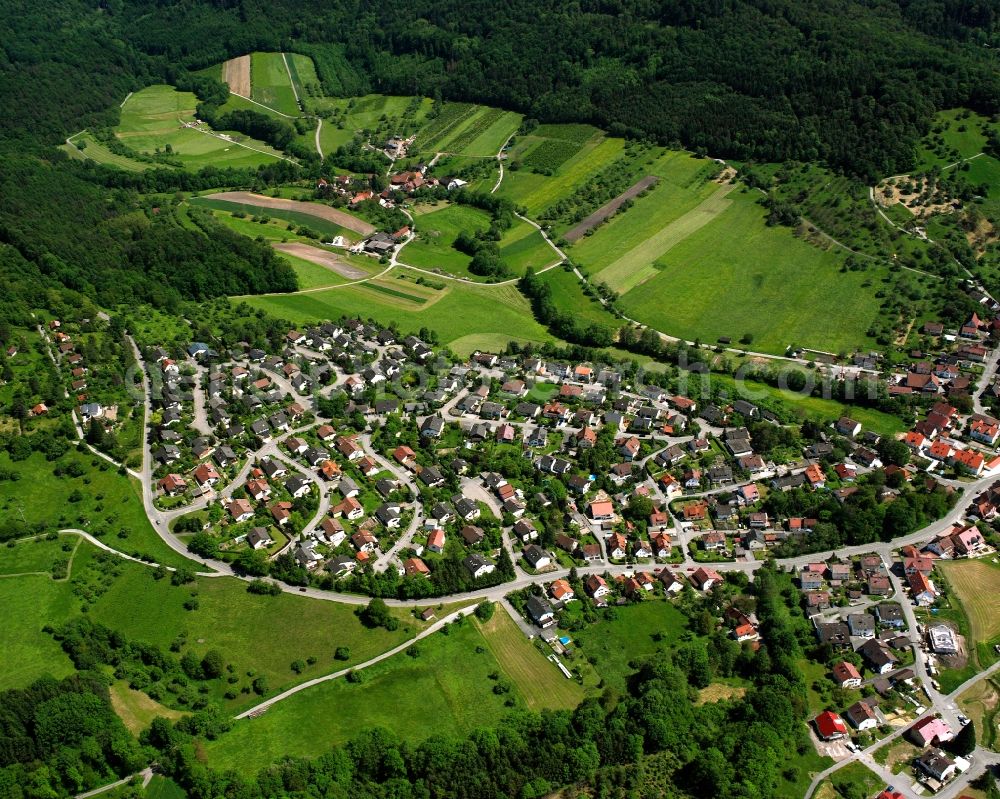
(136, 709)
(608, 209)
(919, 200)
(236, 72)
(717, 692)
(312, 209)
(323, 258)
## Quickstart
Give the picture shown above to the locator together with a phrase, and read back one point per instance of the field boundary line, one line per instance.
(291, 80)
(262, 105)
(220, 137)
(664, 240)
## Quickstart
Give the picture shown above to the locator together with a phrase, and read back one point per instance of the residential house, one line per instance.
(829, 726)
(846, 675)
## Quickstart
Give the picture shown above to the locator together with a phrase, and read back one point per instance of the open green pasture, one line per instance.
(735, 276)
(271, 84)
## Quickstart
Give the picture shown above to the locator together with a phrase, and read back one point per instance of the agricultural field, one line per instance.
(271, 83)
(635, 266)
(683, 186)
(303, 73)
(322, 218)
(100, 501)
(465, 316)
(538, 191)
(976, 584)
(152, 122)
(83, 146)
(735, 276)
(540, 682)
(416, 697)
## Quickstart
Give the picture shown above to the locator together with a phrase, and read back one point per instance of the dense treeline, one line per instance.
(59, 738)
(851, 83)
(60, 229)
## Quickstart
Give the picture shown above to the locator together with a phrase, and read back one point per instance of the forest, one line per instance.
(847, 83)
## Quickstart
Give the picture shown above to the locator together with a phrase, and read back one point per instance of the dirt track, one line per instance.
(345, 220)
(321, 257)
(236, 72)
(579, 231)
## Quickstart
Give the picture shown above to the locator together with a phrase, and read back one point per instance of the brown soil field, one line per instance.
(608, 209)
(313, 209)
(236, 72)
(321, 257)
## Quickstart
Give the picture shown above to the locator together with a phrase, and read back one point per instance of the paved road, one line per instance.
(146, 774)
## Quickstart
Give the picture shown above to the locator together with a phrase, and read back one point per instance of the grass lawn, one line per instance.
(136, 709)
(636, 265)
(568, 297)
(95, 151)
(855, 779)
(445, 691)
(152, 118)
(492, 314)
(263, 634)
(270, 83)
(735, 275)
(538, 680)
(611, 645)
(980, 703)
(667, 201)
(102, 502)
(26, 653)
(806, 407)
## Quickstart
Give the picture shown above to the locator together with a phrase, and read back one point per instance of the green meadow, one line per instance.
(153, 118)
(465, 316)
(100, 501)
(415, 697)
(270, 83)
(736, 276)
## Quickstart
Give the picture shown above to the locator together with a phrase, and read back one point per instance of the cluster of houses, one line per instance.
(934, 767)
(77, 372)
(604, 590)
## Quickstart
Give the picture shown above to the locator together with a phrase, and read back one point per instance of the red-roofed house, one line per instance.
(969, 460)
(830, 726)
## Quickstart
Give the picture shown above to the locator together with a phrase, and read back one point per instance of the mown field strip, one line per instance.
(636, 266)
